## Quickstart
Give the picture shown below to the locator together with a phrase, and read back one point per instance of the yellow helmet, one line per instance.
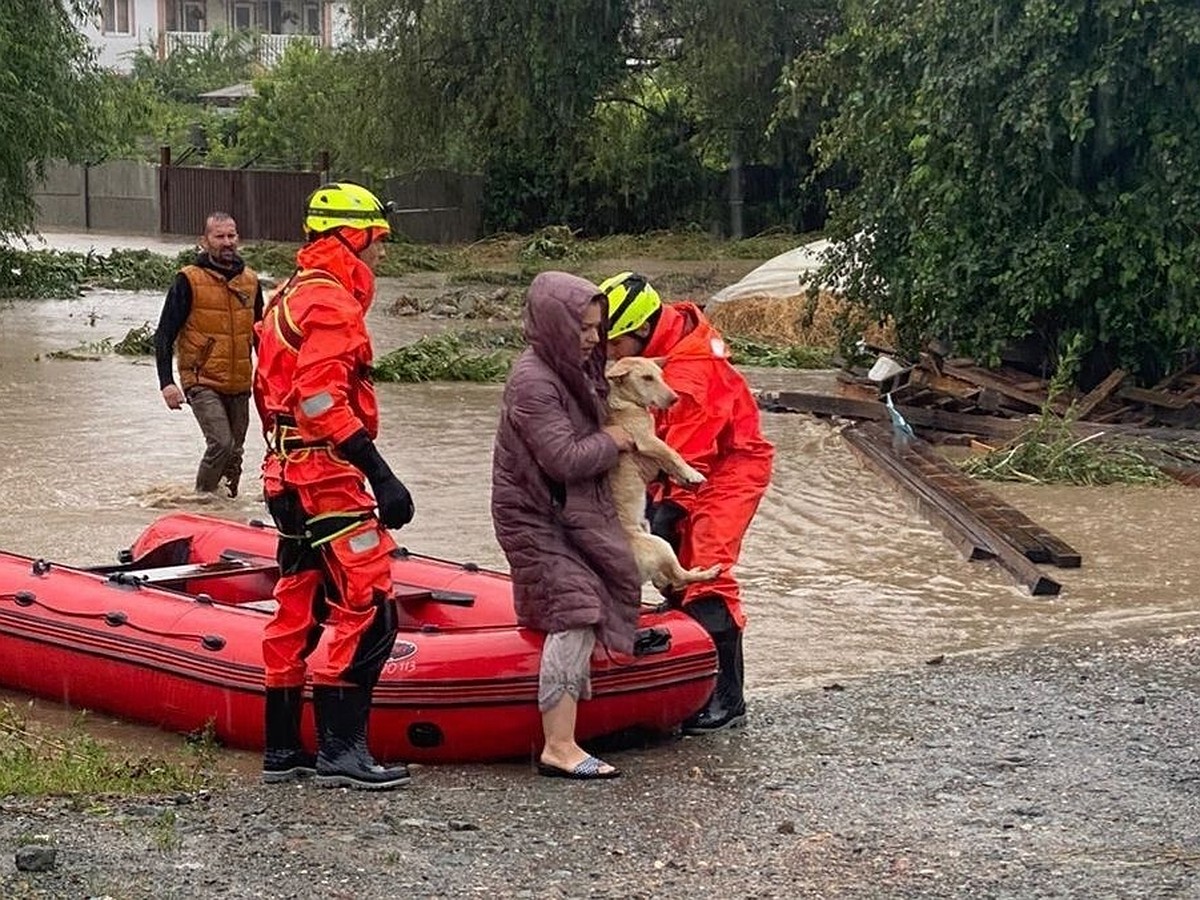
(343, 204)
(631, 301)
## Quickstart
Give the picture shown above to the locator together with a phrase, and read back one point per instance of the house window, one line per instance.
(312, 18)
(194, 16)
(243, 16)
(114, 16)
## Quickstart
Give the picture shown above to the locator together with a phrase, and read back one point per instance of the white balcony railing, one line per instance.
(270, 46)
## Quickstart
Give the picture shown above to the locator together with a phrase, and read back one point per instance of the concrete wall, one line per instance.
(60, 199)
(119, 196)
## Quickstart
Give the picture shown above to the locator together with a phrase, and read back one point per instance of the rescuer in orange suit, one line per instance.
(715, 427)
(317, 403)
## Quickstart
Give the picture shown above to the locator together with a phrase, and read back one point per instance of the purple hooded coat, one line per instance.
(552, 507)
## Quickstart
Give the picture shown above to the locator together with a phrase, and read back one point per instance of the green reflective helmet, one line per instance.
(631, 301)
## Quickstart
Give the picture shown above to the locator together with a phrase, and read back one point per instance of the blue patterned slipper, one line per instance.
(587, 770)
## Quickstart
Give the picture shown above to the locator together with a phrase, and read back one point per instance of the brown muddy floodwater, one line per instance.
(842, 575)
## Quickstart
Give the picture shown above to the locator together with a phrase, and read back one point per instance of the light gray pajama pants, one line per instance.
(566, 667)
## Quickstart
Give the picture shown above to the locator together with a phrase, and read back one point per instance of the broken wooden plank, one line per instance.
(1163, 399)
(1099, 393)
(874, 443)
(986, 379)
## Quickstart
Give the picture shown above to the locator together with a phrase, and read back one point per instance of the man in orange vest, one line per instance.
(317, 403)
(207, 322)
(715, 427)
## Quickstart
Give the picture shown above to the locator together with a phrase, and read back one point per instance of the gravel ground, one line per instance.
(1066, 772)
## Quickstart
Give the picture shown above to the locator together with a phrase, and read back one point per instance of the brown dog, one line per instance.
(636, 387)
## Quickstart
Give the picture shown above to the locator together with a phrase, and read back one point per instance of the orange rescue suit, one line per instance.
(313, 390)
(715, 427)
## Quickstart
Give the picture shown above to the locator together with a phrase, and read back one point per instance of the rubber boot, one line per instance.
(726, 708)
(284, 758)
(342, 756)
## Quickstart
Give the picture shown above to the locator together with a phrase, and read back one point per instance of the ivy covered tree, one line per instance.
(1024, 169)
(48, 106)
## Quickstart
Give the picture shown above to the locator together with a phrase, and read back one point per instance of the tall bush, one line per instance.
(1024, 168)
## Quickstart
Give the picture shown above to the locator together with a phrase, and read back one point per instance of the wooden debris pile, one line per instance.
(960, 385)
(951, 400)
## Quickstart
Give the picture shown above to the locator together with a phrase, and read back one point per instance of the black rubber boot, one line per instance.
(726, 708)
(342, 756)
(284, 759)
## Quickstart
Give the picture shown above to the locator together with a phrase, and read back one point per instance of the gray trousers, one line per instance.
(224, 419)
(566, 667)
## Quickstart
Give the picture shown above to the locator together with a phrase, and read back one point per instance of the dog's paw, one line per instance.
(688, 475)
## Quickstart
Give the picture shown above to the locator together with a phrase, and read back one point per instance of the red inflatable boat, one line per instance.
(171, 636)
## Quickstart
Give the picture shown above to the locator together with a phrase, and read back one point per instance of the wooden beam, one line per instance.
(874, 443)
(972, 545)
(917, 416)
(1153, 398)
(1036, 542)
(1099, 393)
(956, 423)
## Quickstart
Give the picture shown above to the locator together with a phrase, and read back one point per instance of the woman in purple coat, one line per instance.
(573, 573)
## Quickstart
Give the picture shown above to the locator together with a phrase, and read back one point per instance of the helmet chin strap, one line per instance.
(340, 235)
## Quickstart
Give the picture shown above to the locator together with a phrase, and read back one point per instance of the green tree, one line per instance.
(726, 58)
(48, 98)
(1024, 168)
(504, 86)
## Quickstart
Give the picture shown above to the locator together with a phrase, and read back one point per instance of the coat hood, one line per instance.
(683, 332)
(330, 255)
(554, 310)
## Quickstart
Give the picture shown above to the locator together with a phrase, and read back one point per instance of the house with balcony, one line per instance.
(124, 26)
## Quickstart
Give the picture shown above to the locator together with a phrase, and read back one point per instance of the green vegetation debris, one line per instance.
(42, 274)
(36, 764)
(465, 356)
(1050, 452)
(747, 352)
(137, 341)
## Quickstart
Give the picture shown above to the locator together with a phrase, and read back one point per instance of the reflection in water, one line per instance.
(842, 575)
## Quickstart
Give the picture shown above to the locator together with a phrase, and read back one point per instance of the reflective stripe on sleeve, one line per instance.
(318, 403)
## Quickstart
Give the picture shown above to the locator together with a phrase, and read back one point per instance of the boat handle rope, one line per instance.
(116, 619)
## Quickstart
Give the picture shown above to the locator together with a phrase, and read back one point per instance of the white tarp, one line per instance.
(784, 276)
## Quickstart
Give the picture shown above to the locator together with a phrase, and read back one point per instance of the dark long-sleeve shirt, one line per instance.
(176, 309)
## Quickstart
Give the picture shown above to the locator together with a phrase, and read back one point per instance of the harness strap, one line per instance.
(277, 313)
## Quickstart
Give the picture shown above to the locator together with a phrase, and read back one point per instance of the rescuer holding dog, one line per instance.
(715, 427)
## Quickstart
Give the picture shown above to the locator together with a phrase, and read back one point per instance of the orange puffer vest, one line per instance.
(215, 343)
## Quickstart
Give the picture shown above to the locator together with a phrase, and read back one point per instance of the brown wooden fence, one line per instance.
(268, 205)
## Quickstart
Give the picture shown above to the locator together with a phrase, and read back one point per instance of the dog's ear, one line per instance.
(618, 368)
(659, 361)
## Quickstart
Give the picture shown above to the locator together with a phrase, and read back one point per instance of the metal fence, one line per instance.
(437, 207)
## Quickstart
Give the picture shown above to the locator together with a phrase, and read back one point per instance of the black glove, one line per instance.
(395, 502)
(664, 518)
